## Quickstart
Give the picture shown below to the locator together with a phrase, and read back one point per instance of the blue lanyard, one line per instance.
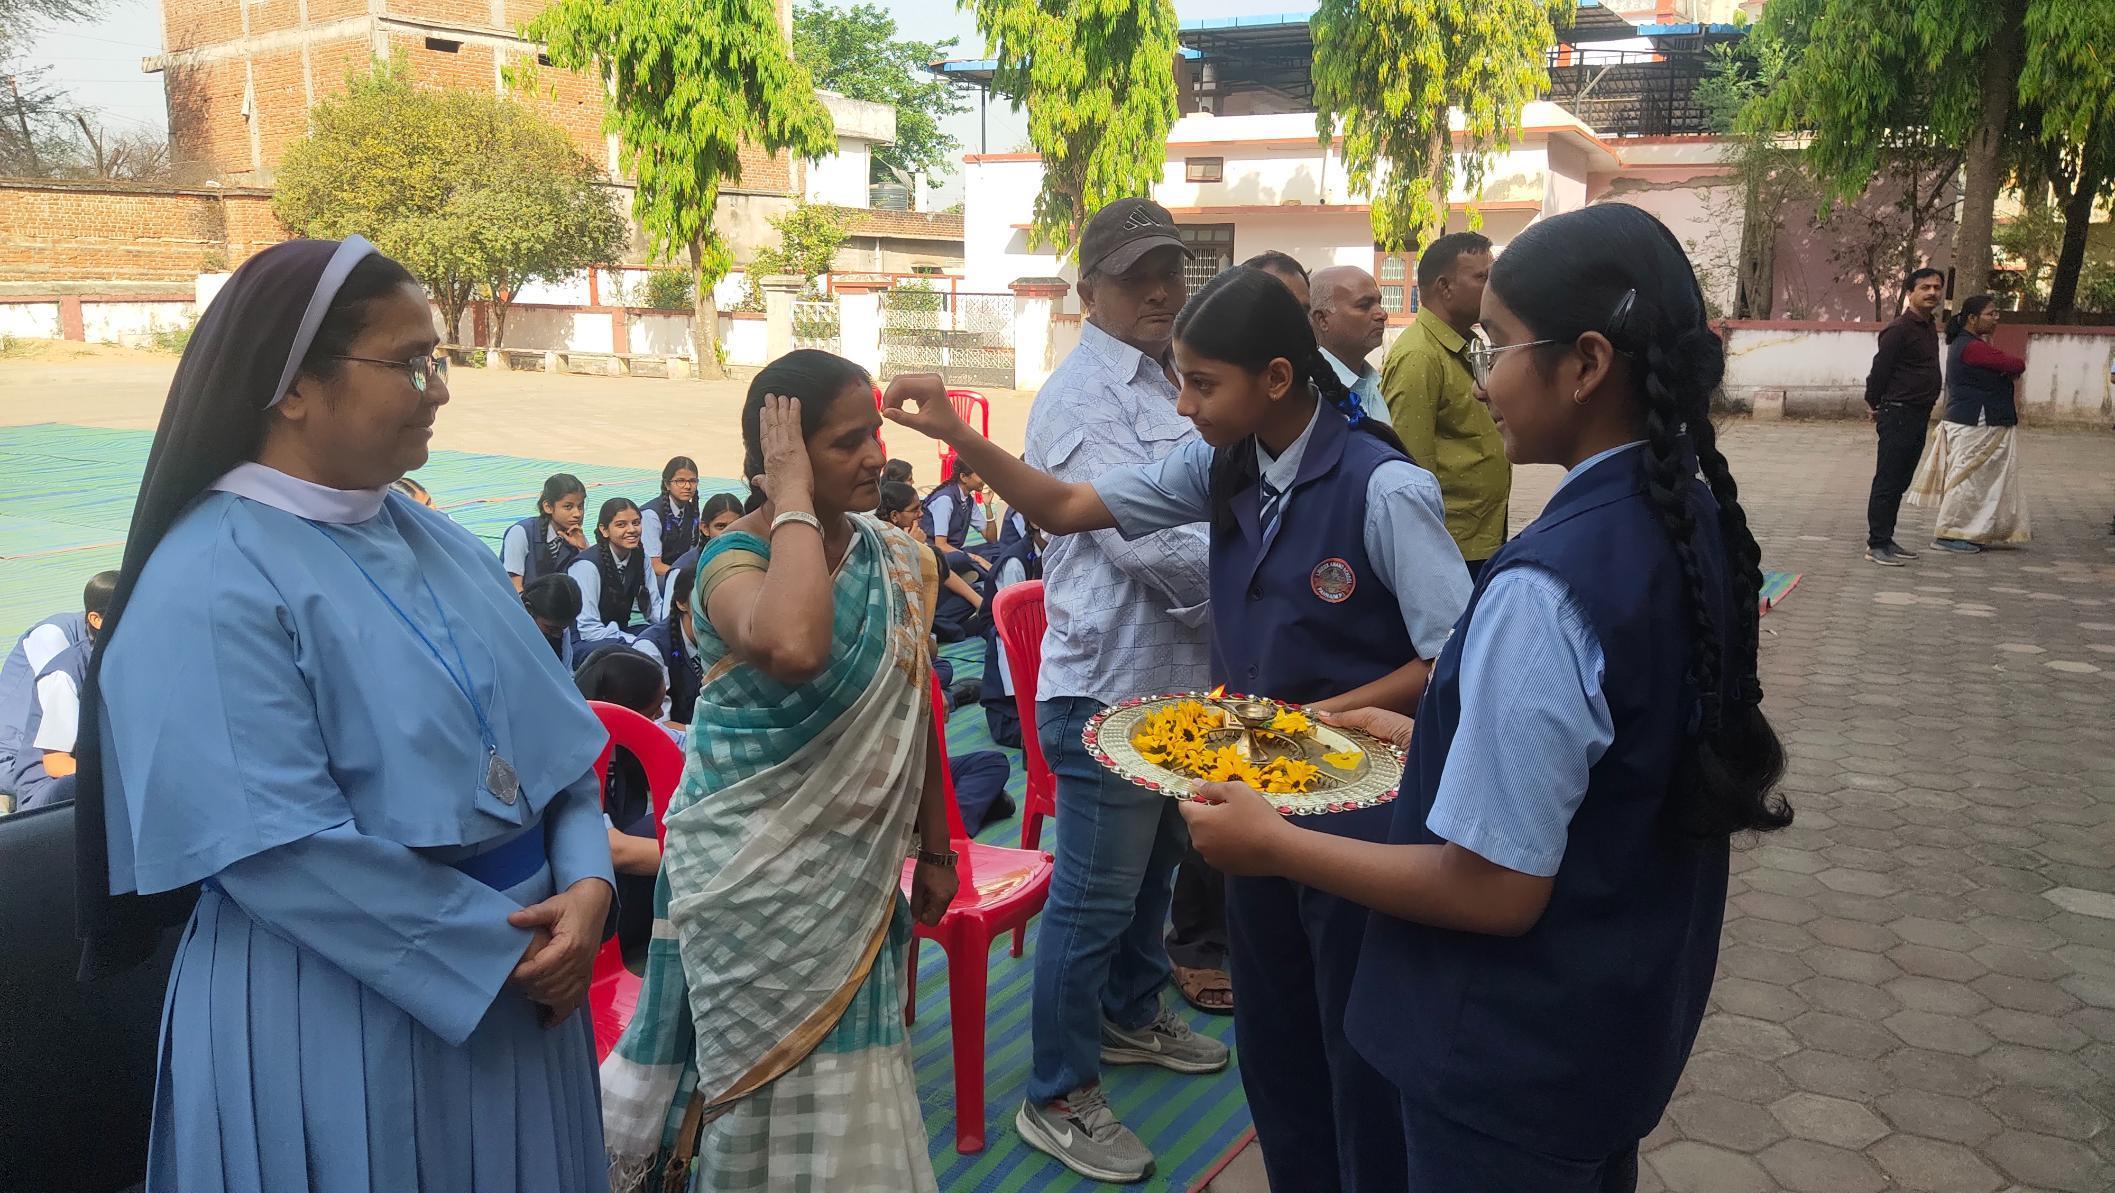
(490, 740)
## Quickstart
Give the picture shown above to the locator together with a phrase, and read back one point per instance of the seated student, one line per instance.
(672, 642)
(669, 524)
(715, 515)
(612, 576)
(554, 603)
(629, 679)
(897, 470)
(551, 539)
(46, 753)
(18, 677)
(959, 601)
(1020, 560)
(951, 512)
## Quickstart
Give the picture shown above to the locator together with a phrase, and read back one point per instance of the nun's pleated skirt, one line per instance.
(280, 1072)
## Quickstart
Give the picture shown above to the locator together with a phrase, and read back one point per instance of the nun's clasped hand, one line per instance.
(1235, 827)
(554, 972)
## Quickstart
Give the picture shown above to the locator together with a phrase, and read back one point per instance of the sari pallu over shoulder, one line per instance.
(784, 852)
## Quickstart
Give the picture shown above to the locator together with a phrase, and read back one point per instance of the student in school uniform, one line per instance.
(414, 490)
(39, 645)
(551, 539)
(1333, 584)
(715, 514)
(668, 525)
(951, 512)
(553, 603)
(1018, 561)
(1548, 899)
(673, 643)
(955, 614)
(615, 597)
(48, 731)
(630, 680)
(897, 470)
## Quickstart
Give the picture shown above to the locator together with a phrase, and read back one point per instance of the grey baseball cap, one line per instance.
(1122, 232)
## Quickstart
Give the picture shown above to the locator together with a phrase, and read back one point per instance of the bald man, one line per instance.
(1349, 320)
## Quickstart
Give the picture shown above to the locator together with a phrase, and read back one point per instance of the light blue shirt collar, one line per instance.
(1283, 470)
(1592, 460)
(1350, 377)
(1119, 356)
(303, 499)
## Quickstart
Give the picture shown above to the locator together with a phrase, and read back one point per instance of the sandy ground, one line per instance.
(623, 421)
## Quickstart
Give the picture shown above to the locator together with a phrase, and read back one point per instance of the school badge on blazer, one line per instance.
(1333, 580)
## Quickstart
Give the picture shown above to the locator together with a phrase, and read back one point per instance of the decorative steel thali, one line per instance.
(1353, 769)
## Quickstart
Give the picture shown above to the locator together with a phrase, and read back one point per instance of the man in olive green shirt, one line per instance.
(1432, 400)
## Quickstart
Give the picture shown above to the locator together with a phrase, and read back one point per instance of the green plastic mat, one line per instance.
(70, 492)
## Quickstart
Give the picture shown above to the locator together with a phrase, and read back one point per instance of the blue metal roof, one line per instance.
(1691, 29)
(1261, 21)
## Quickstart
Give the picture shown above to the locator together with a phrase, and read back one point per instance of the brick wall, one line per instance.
(83, 232)
(206, 121)
(936, 225)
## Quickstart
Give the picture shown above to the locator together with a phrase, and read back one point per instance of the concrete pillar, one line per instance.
(859, 322)
(1035, 305)
(780, 289)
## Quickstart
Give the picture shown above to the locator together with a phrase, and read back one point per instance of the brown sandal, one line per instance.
(1209, 990)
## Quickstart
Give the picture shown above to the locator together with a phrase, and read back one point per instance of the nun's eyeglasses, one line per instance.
(422, 369)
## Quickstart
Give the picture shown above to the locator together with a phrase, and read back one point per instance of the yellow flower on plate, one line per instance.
(1345, 760)
(1292, 721)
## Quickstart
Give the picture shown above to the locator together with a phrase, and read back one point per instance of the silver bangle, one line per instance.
(801, 516)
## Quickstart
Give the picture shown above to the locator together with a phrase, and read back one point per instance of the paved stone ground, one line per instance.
(1917, 984)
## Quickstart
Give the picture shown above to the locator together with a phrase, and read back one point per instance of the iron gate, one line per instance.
(966, 338)
(815, 325)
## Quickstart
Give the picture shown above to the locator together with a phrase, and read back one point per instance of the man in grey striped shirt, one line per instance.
(1126, 618)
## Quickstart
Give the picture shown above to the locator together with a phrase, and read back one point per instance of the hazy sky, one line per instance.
(99, 62)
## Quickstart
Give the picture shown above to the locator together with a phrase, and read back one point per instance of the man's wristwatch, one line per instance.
(927, 857)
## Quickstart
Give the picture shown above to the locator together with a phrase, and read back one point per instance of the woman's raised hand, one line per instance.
(787, 476)
(934, 415)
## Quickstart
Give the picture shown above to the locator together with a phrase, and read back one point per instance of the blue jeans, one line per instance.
(1098, 952)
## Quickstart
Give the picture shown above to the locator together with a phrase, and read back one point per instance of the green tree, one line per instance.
(1390, 74)
(690, 82)
(808, 239)
(1098, 80)
(856, 53)
(385, 160)
(2067, 90)
(1865, 75)
(1766, 171)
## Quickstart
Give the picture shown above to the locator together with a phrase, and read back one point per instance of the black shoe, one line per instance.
(1889, 556)
(1901, 550)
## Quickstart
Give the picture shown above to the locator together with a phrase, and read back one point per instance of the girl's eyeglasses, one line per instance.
(421, 369)
(1482, 356)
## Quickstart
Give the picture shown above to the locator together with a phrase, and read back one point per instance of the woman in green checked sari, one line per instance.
(768, 1051)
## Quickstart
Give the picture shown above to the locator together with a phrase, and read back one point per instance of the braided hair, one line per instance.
(682, 516)
(1247, 317)
(1615, 269)
(622, 583)
(556, 488)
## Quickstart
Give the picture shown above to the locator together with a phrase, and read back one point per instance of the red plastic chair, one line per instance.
(1018, 613)
(613, 991)
(1001, 890)
(970, 407)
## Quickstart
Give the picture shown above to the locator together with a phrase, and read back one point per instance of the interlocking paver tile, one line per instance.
(1950, 1023)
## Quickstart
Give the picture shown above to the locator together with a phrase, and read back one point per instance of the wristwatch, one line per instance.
(927, 857)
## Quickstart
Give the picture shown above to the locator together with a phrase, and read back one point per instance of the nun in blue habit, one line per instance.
(323, 728)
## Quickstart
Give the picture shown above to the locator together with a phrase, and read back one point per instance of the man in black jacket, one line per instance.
(1900, 392)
